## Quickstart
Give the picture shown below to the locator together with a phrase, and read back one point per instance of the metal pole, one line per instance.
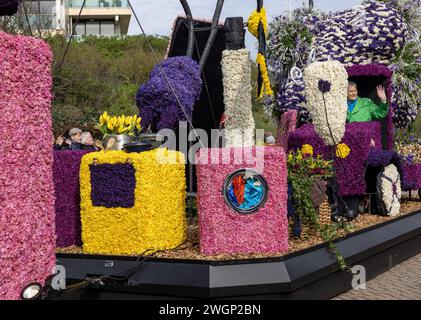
(189, 16)
(212, 35)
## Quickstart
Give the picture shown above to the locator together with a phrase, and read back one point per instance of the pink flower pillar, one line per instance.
(27, 236)
(222, 229)
(287, 124)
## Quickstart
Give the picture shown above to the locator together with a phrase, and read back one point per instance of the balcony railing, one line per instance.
(98, 3)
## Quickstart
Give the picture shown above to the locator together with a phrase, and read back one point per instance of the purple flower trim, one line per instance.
(113, 185)
(382, 158)
(411, 176)
(67, 206)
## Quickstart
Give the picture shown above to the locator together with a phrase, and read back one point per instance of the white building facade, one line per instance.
(98, 17)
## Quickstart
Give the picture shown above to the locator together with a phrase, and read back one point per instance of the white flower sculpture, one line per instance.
(326, 86)
(239, 124)
(389, 184)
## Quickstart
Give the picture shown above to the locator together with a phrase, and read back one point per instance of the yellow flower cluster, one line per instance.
(342, 150)
(253, 22)
(157, 219)
(307, 149)
(263, 69)
(119, 125)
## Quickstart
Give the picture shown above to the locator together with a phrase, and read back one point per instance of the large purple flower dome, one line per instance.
(159, 108)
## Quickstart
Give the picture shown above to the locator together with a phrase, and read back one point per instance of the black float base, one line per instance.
(312, 273)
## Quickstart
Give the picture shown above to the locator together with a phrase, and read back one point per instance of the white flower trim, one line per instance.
(239, 123)
(389, 178)
(335, 99)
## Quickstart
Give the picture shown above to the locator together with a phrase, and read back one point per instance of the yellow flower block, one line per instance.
(157, 219)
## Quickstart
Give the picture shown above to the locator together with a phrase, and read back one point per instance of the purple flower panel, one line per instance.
(113, 185)
(411, 176)
(67, 206)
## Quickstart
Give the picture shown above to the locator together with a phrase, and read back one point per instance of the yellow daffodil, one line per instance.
(121, 124)
(342, 150)
(307, 149)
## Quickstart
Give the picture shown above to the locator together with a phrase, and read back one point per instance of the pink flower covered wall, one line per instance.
(27, 237)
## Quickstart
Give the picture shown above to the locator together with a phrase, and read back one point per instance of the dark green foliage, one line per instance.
(99, 74)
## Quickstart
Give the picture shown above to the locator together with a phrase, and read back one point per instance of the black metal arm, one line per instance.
(212, 35)
(187, 11)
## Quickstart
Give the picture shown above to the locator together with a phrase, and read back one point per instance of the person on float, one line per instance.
(88, 142)
(364, 109)
(75, 138)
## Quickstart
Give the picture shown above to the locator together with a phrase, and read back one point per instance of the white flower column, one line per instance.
(326, 85)
(389, 185)
(239, 123)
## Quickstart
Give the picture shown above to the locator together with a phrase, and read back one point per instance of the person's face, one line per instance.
(77, 137)
(352, 93)
(89, 140)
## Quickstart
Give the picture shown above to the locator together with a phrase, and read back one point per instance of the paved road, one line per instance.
(401, 282)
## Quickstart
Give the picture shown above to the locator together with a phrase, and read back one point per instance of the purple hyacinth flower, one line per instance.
(324, 86)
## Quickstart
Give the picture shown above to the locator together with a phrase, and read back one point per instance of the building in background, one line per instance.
(98, 17)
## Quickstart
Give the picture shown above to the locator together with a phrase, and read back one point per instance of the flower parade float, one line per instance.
(261, 231)
(254, 236)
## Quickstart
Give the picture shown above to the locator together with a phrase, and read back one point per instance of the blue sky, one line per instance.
(157, 16)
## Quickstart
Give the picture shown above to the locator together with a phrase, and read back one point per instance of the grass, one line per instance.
(262, 123)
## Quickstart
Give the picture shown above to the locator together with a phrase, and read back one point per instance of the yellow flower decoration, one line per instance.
(307, 149)
(342, 150)
(263, 69)
(157, 221)
(119, 125)
(253, 22)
